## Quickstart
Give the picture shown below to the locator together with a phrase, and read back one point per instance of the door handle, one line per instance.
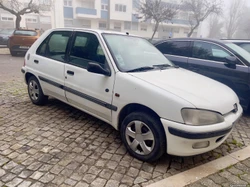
(70, 72)
(36, 61)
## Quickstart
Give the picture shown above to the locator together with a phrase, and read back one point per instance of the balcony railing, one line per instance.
(88, 11)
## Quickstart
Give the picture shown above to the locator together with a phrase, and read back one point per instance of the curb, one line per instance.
(197, 173)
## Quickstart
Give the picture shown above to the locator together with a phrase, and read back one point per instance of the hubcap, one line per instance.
(140, 138)
(33, 90)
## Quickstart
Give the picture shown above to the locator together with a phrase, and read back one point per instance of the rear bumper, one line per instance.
(18, 48)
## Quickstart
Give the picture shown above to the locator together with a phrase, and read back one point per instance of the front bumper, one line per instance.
(182, 139)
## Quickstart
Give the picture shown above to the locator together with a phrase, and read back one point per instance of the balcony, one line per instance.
(68, 12)
(86, 11)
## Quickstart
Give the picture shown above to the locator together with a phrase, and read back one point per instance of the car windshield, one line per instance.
(7, 32)
(131, 53)
(240, 51)
(25, 33)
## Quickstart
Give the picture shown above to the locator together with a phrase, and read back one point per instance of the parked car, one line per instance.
(156, 106)
(219, 60)
(4, 36)
(245, 44)
(21, 40)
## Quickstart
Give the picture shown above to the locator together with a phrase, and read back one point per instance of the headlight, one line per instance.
(200, 117)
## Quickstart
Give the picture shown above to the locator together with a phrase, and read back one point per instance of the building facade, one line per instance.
(123, 17)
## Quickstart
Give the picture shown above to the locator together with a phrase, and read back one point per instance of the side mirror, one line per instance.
(231, 61)
(97, 68)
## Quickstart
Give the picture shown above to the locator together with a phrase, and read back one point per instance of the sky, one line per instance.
(204, 26)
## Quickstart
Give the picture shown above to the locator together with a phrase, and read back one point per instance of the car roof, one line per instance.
(237, 40)
(94, 30)
(193, 39)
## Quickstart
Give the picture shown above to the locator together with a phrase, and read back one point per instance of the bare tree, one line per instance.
(157, 11)
(233, 17)
(200, 10)
(19, 7)
(215, 27)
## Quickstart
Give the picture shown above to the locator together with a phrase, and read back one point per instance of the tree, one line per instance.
(233, 17)
(19, 7)
(200, 10)
(215, 27)
(157, 11)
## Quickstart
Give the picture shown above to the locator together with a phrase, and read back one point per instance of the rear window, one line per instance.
(25, 33)
(8, 32)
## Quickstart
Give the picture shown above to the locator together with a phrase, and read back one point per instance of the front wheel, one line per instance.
(35, 92)
(143, 136)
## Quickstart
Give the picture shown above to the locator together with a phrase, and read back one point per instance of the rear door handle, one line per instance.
(70, 72)
(36, 61)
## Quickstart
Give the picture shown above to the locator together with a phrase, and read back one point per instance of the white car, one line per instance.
(126, 82)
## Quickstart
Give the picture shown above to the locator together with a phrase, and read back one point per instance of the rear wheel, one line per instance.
(13, 53)
(143, 136)
(35, 92)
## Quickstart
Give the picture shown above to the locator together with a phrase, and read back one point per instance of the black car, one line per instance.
(245, 44)
(4, 36)
(218, 59)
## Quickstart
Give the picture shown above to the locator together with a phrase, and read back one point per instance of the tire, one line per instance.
(13, 53)
(146, 148)
(35, 92)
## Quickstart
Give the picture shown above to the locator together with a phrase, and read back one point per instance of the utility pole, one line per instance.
(109, 13)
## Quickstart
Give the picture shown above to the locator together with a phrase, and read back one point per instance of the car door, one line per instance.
(176, 51)
(210, 59)
(50, 61)
(88, 91)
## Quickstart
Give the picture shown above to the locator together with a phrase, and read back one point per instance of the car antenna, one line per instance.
(127, 33)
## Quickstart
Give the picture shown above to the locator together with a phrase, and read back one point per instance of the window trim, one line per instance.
(100, 43)
(47, 39)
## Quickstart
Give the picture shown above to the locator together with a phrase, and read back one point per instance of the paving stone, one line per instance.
(38, 184)
(106, 173)
(25, 174)
(36, 175)
(112, 183)
(2, 172)
(82, 184)
(47, 178)
(25, 184)
(14, 182)
(99, 182)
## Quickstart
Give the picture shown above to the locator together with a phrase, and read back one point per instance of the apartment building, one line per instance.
(123, 17)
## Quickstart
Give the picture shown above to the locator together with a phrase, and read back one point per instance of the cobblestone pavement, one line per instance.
(58, 145)
(233, 176)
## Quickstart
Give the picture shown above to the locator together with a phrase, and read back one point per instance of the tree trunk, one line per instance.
(192, 30)
(18, 21)
(156, 28)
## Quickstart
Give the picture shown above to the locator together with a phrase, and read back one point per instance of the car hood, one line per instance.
(200, 91)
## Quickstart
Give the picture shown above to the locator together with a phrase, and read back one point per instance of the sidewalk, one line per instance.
(4, 51)
(237, 175)
(232, 170)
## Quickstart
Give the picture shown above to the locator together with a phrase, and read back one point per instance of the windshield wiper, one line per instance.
(163, 66)
(146, 68)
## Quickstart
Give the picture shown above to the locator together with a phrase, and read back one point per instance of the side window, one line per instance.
(209, 51)
(55, 45)
(245, 46)
(86, 48)
(179, 48)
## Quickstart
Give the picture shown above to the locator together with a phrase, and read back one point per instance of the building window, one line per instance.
(6, 18)
(67, 2)
(86, 23)
(117, 26)
(102, 25)
(127, 25)
(120, 8)
(31, 20)
(135, 26)
(144, 28)
(104, 7)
